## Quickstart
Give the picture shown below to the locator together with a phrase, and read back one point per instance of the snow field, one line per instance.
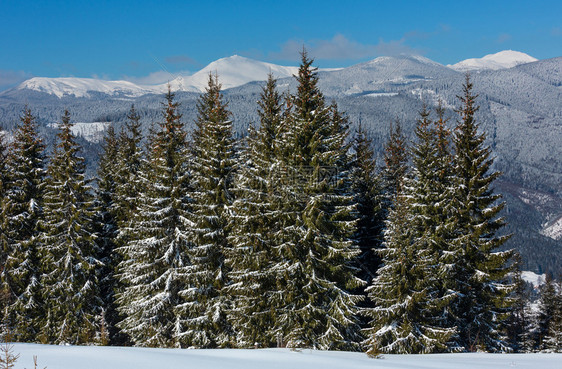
(95, 357)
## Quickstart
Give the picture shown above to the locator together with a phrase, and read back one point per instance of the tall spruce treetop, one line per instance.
(212, 168)
(255, 224)
(316, 225)
(481, 272)
(22, 210)
(395, 160)
(155, 255)
(68, 249)
(130, 160)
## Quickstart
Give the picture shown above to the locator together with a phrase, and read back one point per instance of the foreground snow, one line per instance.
(91, 357)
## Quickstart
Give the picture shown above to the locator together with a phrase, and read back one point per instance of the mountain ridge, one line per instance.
(235, 71)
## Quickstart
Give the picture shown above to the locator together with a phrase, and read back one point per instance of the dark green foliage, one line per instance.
(21, 211)
(4, 294)
(317, 222)
(479, 271)
(154, 254)
(367, 187)
(107, 231)
(431, 194)
(516, 325)
(204, 314)
(129, 185)
(548, 320)
(130, 158)
(401, 294)
(69, 286)
(553, 339)
(253, 256)
(395, 160)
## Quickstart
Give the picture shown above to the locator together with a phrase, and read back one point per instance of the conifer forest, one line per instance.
(291, 236)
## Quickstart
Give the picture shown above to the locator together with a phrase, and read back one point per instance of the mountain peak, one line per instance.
(501, 60)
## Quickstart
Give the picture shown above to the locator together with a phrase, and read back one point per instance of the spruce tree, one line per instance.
(553, 339)
(130, 159)
(4, 294)
(480, 271)
(255, 223)
(129, 187)
(399, 292)
(207, 304)
(517, 323)
(547, 314)
(431, 192)
(408, 294)
(69, 286)
(107, 231)
(317, 222)
(367, 187)
(22, 210)
(155, 255)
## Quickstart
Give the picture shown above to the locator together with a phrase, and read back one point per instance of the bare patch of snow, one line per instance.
(536, 280)
(92, 132)
(382, 94)
(430, 97)
(553, 229)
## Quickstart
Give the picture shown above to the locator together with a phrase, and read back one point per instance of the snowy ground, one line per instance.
(90, 357)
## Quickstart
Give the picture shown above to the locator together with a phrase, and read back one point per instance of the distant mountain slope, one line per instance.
(503, 59)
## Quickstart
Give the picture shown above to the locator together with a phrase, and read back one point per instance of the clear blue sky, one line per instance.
(134, 39)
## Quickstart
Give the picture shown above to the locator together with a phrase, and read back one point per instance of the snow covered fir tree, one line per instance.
(23, 183)
(255, 225)
(289, 237)
(316, 272)
(155, 255)
(69, 286)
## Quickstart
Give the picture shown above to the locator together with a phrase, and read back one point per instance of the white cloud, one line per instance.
(155, 78)
(503, 38)
(342, 48)
(10, 78)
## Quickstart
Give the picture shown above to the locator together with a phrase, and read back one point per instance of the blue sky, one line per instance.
(137, 40)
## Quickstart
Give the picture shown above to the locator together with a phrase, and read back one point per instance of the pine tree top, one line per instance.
(308, 99)
(26, 138)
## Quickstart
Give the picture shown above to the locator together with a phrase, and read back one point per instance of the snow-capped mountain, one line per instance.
(503, 59)
(232, 71)
(237, 71)
(81, 87)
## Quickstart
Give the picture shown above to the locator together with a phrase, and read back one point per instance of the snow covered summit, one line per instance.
(233, 71)
(237, 70)
(503, 59)
(80, 87)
